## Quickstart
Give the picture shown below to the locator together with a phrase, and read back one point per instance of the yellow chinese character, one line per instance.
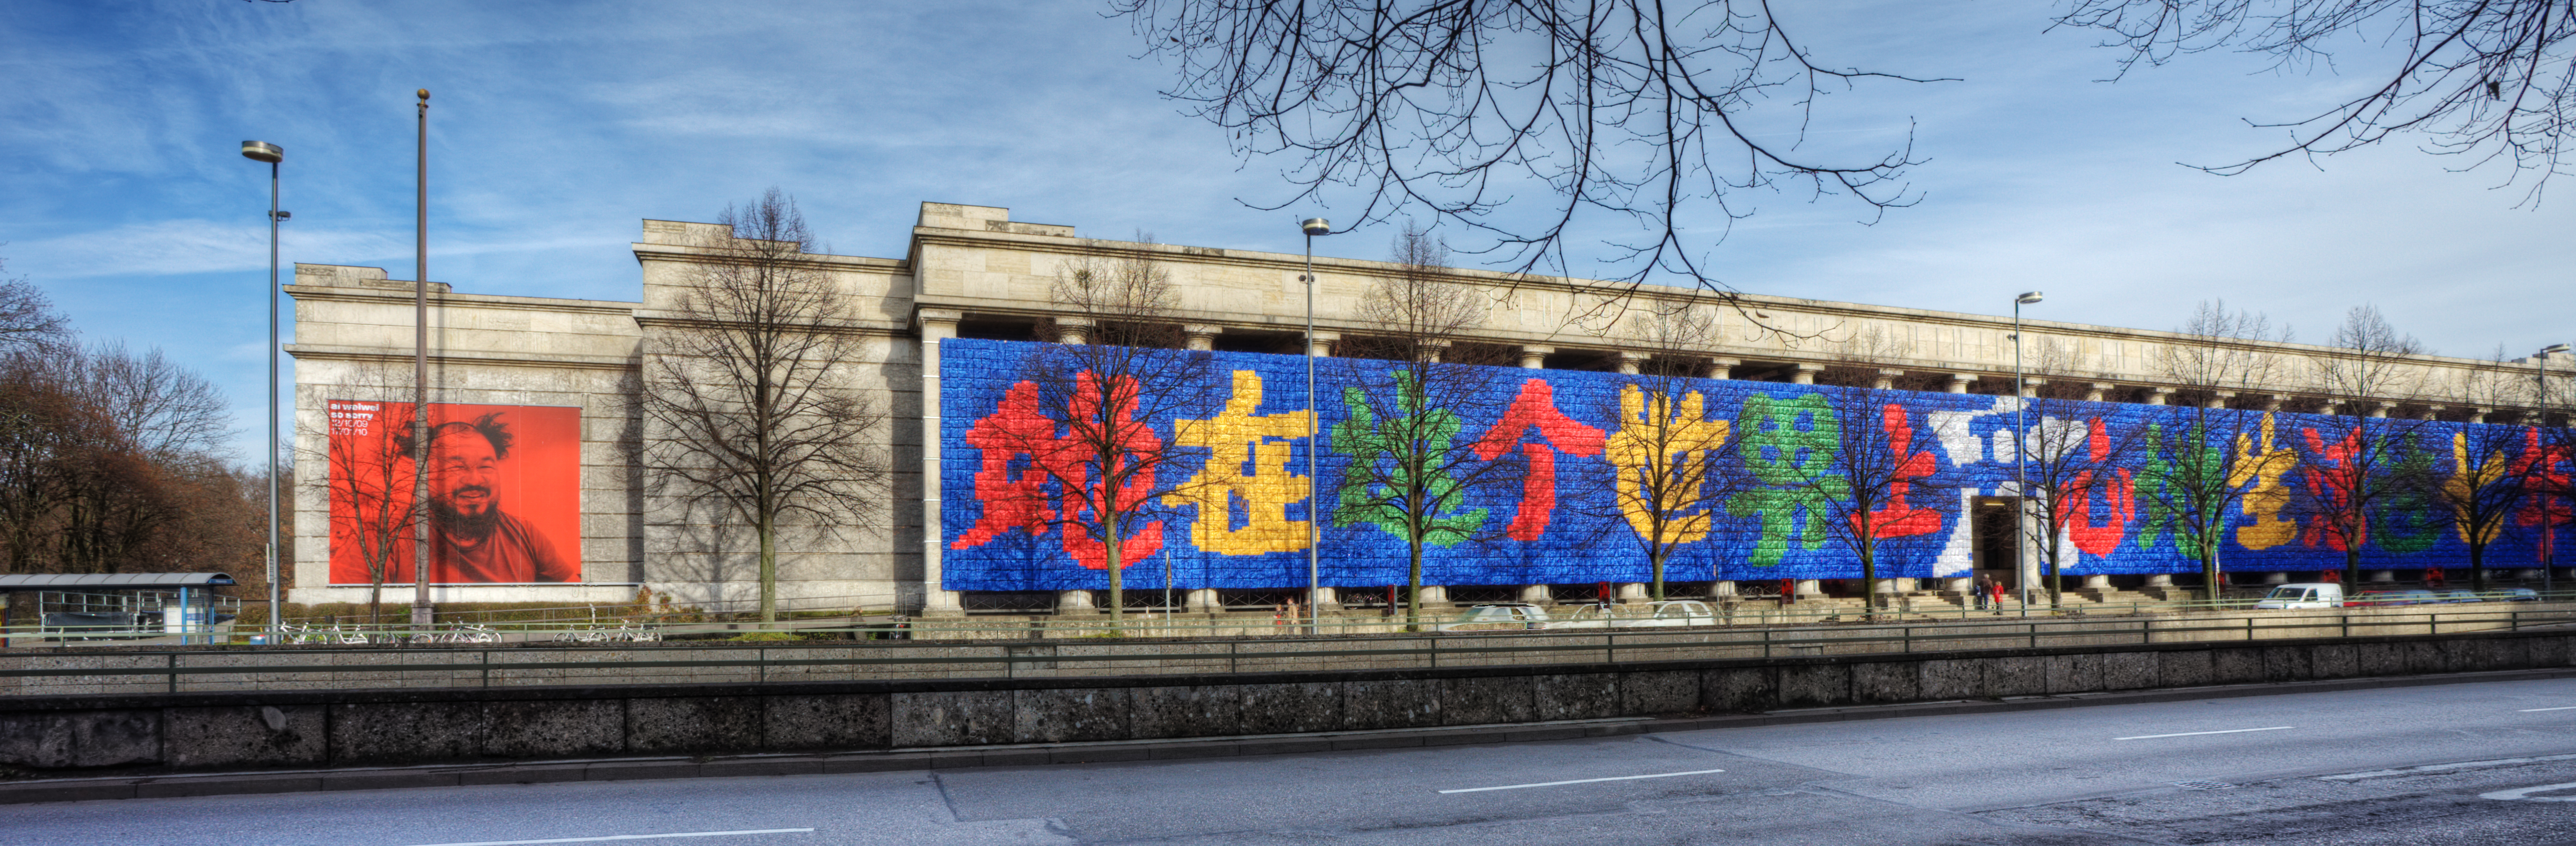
(2465, 486)
(1657, 447)
(2264, 502)
(1236, 438)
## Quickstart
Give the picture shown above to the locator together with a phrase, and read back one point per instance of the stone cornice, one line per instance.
(390, 296)
(550, 361)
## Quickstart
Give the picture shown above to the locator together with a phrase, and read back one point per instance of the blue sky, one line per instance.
(556, 127)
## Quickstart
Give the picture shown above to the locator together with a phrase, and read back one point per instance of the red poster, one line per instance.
(504, 493)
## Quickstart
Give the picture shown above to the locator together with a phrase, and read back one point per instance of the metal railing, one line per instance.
(414, 666)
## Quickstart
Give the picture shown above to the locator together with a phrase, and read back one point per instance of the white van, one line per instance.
(2302, 595)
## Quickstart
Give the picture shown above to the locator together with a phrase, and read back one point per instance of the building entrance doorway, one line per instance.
(1992, 537)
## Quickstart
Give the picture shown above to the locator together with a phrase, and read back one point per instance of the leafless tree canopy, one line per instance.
(757, 424)
(27, 318)
(2485, 80)
(1631, 114)
(2222, 349)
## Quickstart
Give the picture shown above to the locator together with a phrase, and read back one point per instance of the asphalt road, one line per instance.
(2451, 764)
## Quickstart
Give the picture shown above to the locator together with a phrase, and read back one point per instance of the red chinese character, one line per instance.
(1535, 408)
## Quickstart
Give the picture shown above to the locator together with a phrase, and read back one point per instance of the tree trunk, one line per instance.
(1657, 560)
(1117, 561)
(2477, 564)
(768, 569)
(1413, 582)
(2056, 580)
(2209, 575)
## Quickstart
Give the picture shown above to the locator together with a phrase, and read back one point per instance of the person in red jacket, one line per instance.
(1995, 590)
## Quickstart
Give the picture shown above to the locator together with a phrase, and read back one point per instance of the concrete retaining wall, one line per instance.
(205, 731)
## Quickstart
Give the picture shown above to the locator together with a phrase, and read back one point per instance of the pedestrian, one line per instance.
(1979, 589)
(1996, 590)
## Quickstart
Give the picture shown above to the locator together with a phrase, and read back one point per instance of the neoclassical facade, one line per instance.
(558, 381)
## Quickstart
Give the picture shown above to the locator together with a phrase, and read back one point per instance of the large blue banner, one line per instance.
(1229, 509)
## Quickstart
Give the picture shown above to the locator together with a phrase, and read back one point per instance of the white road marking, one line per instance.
(2559, 708)
(1578, 781)
(2195, 733)
(2443, 768)
(626, 837)
(2524, 793)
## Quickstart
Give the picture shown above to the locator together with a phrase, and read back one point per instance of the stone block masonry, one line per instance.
(74, 735)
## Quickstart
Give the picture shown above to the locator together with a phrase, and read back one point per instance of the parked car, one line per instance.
(2302, 595)
(2449, 596)
(1498, 617)
(2518, 595)
(2378, 598)
(1670, 613)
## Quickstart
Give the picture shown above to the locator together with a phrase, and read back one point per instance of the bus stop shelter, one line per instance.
(116, 605)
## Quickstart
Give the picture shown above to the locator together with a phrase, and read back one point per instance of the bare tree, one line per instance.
(1673, 465)
(750, 397)
(1412, 463)
(1082, 410)
(1851, 460)
(369, 473)
(2073, 461)
(27, 318)
(2213, 458)
(2484, 489)
(2362, 463)
(2485, 80)
(1646, 114)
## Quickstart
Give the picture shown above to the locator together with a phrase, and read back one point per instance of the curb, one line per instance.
(1038, 754)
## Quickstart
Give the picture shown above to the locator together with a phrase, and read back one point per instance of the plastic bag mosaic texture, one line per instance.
(1229, 508)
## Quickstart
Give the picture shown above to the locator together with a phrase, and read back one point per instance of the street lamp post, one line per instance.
(420, 608)
(262, 151)
(2021, 445)
(2548, 567)
(1313, 226)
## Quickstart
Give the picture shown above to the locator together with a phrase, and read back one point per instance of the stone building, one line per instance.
(971, 272)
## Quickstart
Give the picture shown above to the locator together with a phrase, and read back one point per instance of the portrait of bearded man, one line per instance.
(478, 540)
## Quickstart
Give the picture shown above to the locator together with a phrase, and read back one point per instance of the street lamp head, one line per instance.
(1316, 226)
(2553, 349)
(2027, 297)
(262, 151)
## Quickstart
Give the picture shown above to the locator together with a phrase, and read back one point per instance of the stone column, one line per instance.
(2379, 576)
(1072, 330)
(2030, 387)
(1434, 596)
(2273, 403)
(2218, 399)
(2096, 391)
(1436, 347)
(1959, 382)
(1535, 595)
(1202, 336)
(1074, 602)
(1326, 597)
(1806, 374)
(2381, 408)
(2434, 412)
(2160, 580)
(1535, 357)
(2159, 396)
(1631, 362)
(1631, 592)
(1205, 601)
(2096, 581)
(1723, 589)
(1722, 368)
(1886, 379)
(1324, 343)
(936, 325)
(1810, 587)
(1958, 584)
(2276, 578)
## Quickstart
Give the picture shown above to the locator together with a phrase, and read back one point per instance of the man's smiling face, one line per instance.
(463, 468)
